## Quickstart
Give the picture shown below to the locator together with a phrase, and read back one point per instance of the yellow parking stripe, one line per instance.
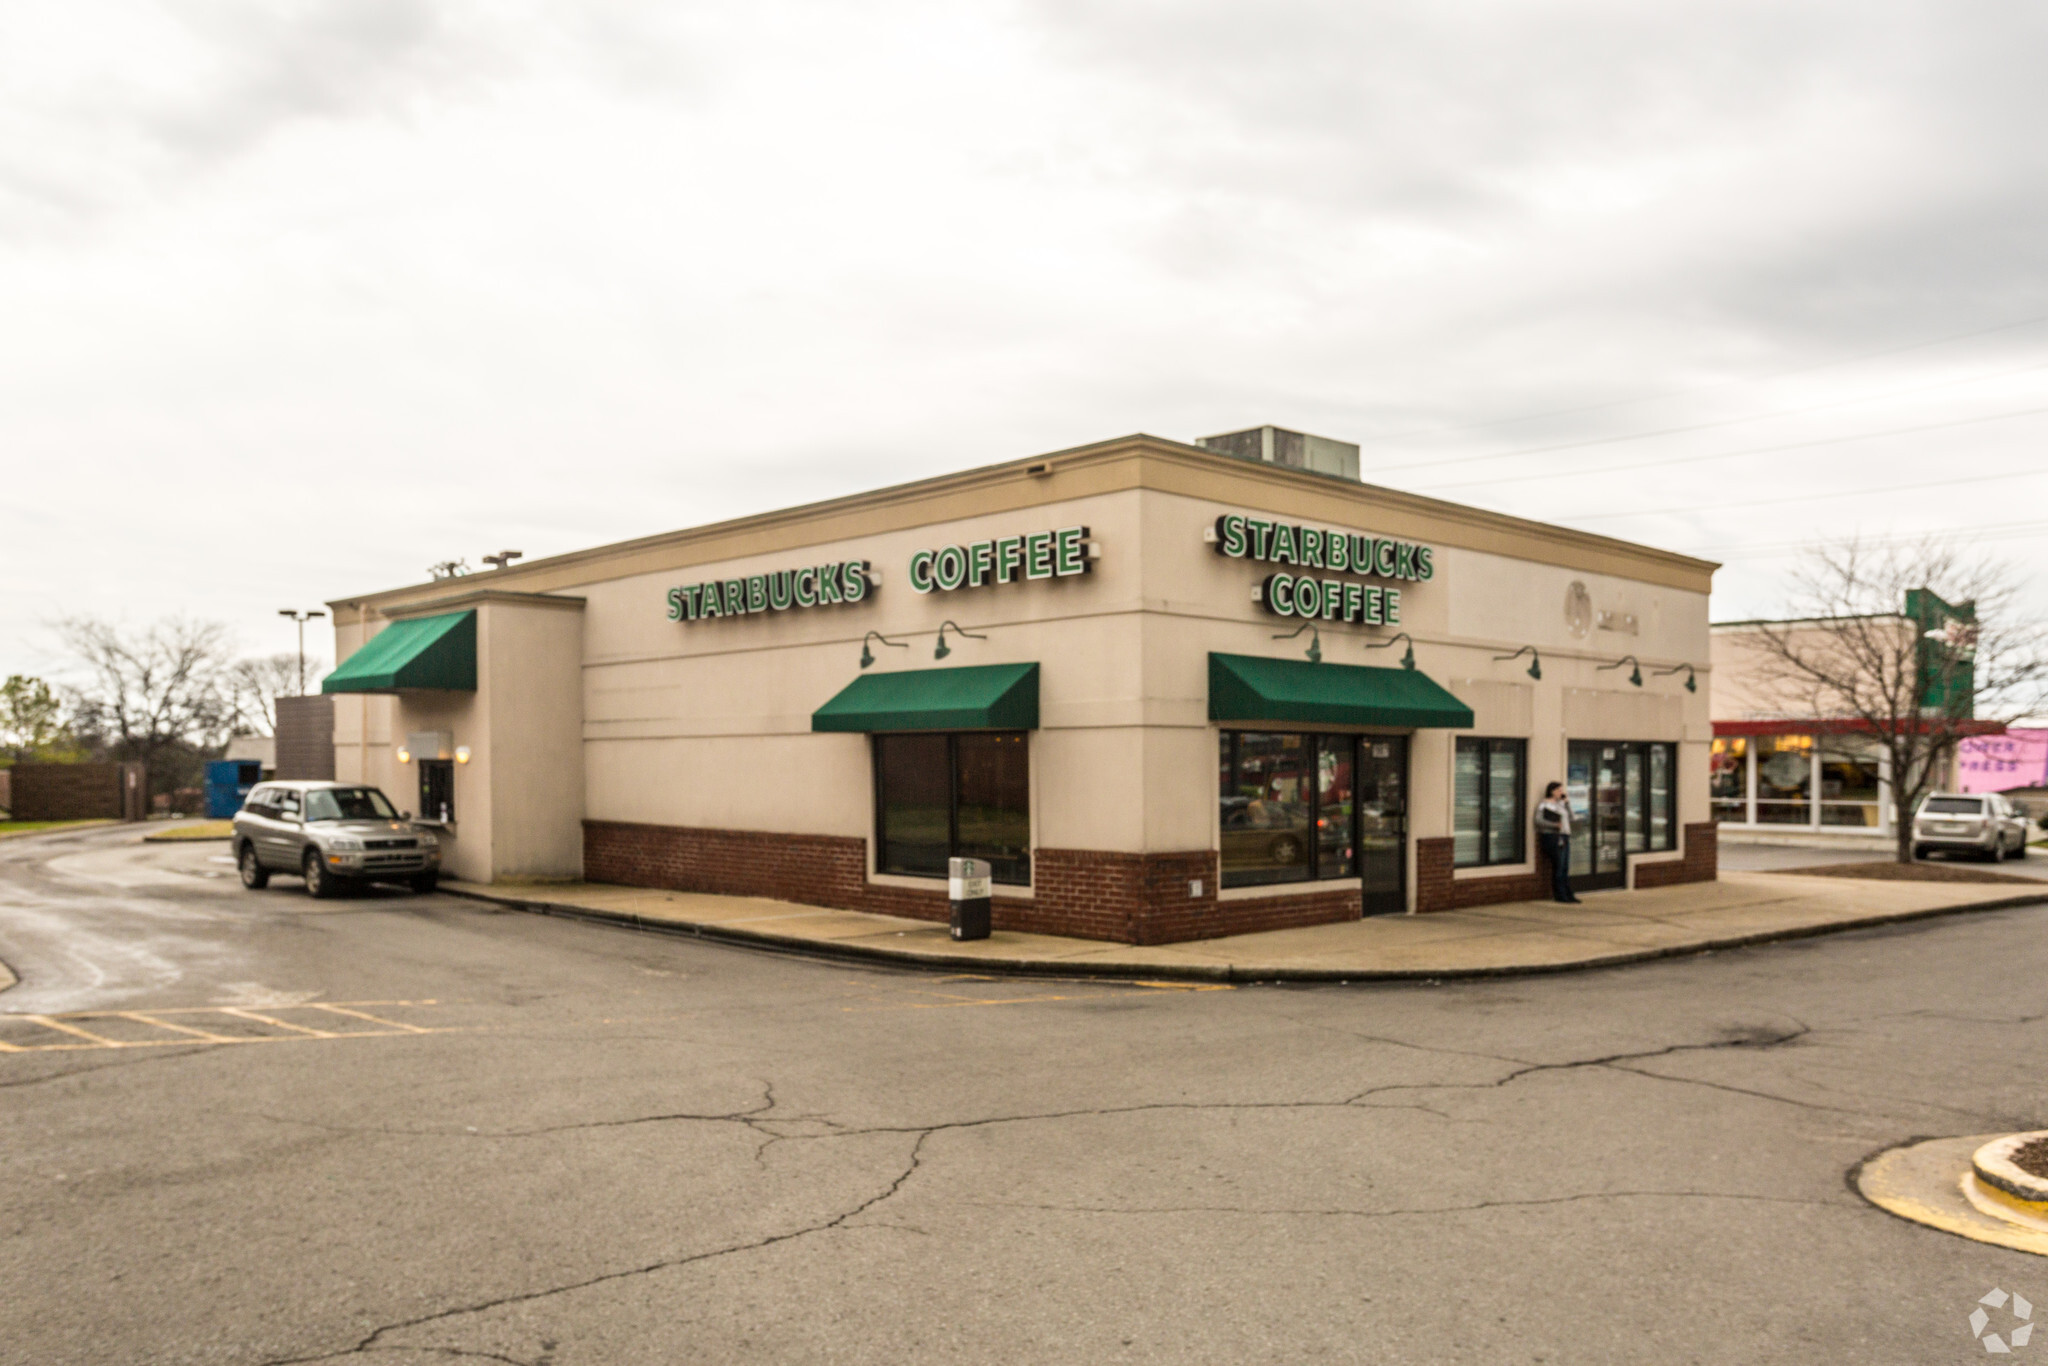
(140, 1018)
(389, 1024)
(196, 1034)
(242, 1014)
(49, 1023)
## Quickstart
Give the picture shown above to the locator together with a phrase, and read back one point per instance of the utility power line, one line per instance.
(1805, 497)
(1723, 384)
(1727, 455)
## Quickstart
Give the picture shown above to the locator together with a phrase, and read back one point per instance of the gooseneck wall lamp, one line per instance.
(1315, 640)
(867, 656)
(1635, 672)
(944, 649)
(1407, 656)
(1692, 683)
(1535, 660)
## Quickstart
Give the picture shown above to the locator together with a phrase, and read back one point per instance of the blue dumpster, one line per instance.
(227, 782)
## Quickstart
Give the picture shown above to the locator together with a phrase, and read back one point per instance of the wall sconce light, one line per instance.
(1315, 641)
(1692, 683)
(404, 755)
(867, 656)
(1407, 656)
(1535, 660)
(462, 754)
(958, 630)
(1635, 673)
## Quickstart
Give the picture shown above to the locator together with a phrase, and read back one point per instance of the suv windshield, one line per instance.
(1954, 806)
(348, 804)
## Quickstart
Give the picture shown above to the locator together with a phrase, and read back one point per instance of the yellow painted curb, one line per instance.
(1932, 1183)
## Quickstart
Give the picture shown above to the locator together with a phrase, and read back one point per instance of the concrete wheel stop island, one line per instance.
(1992, 1188)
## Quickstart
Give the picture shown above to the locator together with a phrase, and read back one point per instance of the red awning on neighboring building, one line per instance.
(1835, 726)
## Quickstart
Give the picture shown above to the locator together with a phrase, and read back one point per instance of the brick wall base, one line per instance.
(1437, 889)
(1700, 863)
(1085, 893)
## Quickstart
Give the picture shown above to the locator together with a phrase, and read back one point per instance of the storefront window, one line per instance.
(994, 808)
(1289, 809)
(1728, 777)
(1636, 825)
(953, 796)
(1848, 781)
(1486, 802)
(437, 790)
(1663, 798)
(1784, 780)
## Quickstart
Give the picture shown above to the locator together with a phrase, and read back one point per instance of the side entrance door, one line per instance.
(1383, 822)
(1594, 783)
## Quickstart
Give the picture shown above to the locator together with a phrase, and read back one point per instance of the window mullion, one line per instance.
(952, 796)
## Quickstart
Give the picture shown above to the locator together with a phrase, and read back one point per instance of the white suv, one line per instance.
(1984, 824)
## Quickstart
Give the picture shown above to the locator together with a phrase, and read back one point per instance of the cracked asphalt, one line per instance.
(579, 1144)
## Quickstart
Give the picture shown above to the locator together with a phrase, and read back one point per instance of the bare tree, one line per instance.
(1915, 646)
(257, 683)
(156, 694)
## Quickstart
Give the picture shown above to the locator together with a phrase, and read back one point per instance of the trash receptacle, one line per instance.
(227, 782)
(967, 887)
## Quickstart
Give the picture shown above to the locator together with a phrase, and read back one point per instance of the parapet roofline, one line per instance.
(1120, 464)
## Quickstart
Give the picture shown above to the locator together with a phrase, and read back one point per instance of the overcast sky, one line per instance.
(298, 298)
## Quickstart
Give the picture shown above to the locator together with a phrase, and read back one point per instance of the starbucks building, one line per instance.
(1167, 691)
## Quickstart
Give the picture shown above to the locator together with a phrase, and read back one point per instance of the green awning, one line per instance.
(982, 697)
(1247, 688)
(417, 652)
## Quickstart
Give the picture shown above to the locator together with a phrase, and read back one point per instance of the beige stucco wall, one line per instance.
(707, 723)
(519, 798)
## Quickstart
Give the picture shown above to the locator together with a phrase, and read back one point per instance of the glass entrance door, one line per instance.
(1383, 822)
(1594, 782)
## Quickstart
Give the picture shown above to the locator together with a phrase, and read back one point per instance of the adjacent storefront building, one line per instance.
(1785, 762)
(1167, 692)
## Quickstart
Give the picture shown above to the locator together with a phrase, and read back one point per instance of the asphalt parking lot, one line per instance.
(254, 1128)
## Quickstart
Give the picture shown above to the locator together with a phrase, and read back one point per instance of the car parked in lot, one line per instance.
(333, 835)
(1984, 824)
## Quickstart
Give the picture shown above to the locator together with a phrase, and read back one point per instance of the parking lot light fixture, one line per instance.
(301, 618)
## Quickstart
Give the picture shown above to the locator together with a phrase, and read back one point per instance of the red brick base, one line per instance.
(1089, 894)
(1437, 889)
(1700, 863)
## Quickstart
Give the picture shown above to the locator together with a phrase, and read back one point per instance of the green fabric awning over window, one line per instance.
(418, 652)
(1248, 688)
(982, 697)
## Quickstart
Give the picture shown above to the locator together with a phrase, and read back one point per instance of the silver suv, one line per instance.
(1984, 824)
(332, 835)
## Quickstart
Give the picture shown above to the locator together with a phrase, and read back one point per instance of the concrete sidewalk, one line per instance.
(1520, 937)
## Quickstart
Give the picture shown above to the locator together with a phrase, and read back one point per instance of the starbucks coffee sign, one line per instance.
(1318, 596)
(823, 585)
(1040, 555)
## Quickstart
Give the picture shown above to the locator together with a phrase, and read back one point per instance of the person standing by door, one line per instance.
(1554, 835)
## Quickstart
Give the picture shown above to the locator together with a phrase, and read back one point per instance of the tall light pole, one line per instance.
(301, 618)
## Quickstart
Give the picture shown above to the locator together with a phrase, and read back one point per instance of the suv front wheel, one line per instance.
(319, 882)
(254, 875)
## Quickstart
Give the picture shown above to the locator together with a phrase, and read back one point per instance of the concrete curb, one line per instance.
(1205, 972)
(68, 827)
